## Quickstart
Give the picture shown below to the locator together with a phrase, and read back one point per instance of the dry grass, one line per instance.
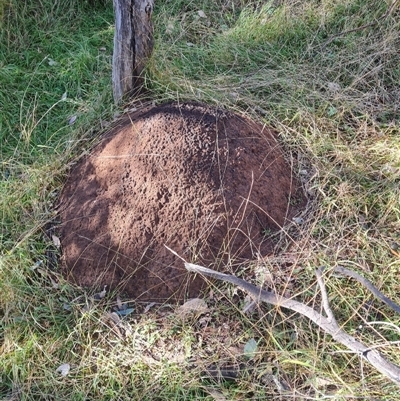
(334, 99)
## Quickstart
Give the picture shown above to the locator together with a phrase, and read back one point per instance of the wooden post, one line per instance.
(133, 44)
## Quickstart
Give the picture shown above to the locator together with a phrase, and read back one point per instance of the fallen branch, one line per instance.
(368, 285)
(329, 324)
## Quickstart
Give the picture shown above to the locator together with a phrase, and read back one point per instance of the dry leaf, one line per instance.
(321, 382)
(100, 295)
(249, 305)
(114, 322)
(42, 271)
(64, 96)
(235, 351)
(72, 120)
(147, 308)
(215, 394)
(298, 220)
(124, 312)
(333, 87)
(201, 14)
(56, 241)
(119, 303)
(37, 264)
(114, 317)
(103, 293)
(204, 321)
(170, 28)
(196, 305)
(63, 369)
(281, 385)
(54, 284)
(250, 348)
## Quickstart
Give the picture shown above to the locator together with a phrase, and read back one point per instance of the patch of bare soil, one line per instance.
(209, 184)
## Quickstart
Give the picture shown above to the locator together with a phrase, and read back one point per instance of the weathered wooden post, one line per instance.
(133, 44)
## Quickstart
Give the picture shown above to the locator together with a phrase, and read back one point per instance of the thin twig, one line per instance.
(368, 285)
(324, 295)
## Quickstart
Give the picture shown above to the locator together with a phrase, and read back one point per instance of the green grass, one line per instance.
(318, 73)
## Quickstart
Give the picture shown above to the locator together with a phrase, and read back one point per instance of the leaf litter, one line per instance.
(100, 295)
(63, 369)
(195, 305)
(250, 348)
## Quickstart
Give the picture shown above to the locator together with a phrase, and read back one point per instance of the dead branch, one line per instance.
(368, 285)
(329, 325)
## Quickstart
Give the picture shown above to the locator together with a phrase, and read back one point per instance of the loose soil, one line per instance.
(211, 185)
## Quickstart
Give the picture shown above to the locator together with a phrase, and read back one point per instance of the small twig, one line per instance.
(180, 257)
(387, 368)
(368, 285)
(360, 28)
(324, 295)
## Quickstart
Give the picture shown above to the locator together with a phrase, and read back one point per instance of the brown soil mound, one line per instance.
(209, 184)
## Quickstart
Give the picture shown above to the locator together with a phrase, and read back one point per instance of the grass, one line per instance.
(318, 72)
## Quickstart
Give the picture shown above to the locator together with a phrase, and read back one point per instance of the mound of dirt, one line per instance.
(209, 184)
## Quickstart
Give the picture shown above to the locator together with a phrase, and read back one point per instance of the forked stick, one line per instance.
(329, 324)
